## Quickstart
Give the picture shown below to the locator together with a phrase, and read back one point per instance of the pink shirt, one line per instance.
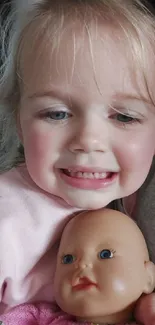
(31, 222)
(40, 314)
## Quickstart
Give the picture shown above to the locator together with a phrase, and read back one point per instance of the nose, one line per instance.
(89, 137)
(84, 264)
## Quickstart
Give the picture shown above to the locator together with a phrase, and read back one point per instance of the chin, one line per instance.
(87, 204)
(82, 311)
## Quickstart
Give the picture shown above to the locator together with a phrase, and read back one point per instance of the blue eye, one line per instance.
(124, 118)
(68, 259)
(57, 115)
(105, 254)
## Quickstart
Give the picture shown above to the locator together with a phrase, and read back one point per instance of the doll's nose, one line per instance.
(83, 264)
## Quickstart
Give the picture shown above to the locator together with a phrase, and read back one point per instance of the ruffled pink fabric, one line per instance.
(39, 314)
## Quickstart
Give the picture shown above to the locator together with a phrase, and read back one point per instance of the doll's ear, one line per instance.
(150, 277)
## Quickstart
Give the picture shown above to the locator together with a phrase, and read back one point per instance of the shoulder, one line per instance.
(12, 180)
(18, 184)
(20, 197)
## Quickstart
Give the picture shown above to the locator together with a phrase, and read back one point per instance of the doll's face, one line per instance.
(101, 265)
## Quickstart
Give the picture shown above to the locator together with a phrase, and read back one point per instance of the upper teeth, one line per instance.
(87, 174)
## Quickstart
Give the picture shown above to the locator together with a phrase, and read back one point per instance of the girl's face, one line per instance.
(86, 122)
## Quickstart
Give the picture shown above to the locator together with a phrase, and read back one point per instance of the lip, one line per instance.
(88, 184)
(84, 284)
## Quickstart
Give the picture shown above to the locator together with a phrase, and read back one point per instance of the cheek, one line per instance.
(122, 280)
(136, 150)
(119, 286)
(127, 286)
(63, 276)
(115, 283)
(39, 144)
(62, 285)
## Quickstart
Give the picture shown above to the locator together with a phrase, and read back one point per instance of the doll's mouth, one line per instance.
(84, 284)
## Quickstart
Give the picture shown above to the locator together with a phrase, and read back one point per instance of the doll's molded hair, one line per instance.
(131, 16)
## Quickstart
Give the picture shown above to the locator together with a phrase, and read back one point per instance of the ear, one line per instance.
(150, 277)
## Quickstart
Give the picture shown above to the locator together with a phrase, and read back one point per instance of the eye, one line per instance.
(125, 119)
(106, 254)
(57, 115)
(68, 259)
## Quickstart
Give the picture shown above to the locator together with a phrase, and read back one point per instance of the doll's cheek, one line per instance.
(119, 286)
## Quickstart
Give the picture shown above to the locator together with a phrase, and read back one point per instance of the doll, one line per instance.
(102, 269)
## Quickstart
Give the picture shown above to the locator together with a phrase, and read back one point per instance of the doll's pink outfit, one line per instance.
(39, 314)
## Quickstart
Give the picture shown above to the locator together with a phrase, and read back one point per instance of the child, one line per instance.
(77, 91)
(99, 276)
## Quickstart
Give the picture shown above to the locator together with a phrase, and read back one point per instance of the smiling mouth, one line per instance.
(87, 175)
(88, 179)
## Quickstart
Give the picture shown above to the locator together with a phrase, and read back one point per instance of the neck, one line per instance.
(129, 204)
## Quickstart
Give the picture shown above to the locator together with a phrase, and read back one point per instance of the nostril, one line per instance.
(83, 265)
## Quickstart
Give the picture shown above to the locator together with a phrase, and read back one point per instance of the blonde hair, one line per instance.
(51, 17)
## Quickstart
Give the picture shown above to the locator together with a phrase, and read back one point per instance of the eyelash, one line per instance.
(48, 115)
(111, 250)
(75, 258)
(133, 120)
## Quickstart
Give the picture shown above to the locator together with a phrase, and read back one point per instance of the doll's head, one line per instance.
(102, 267)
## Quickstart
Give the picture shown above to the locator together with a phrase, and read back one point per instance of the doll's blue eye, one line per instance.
(68, 259)
(105, 254)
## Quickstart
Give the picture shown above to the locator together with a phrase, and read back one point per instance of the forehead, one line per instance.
(80, 57)
(89, 231)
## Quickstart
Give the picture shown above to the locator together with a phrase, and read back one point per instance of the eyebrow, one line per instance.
(56, 93)
(50, 93)
(126, 96)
